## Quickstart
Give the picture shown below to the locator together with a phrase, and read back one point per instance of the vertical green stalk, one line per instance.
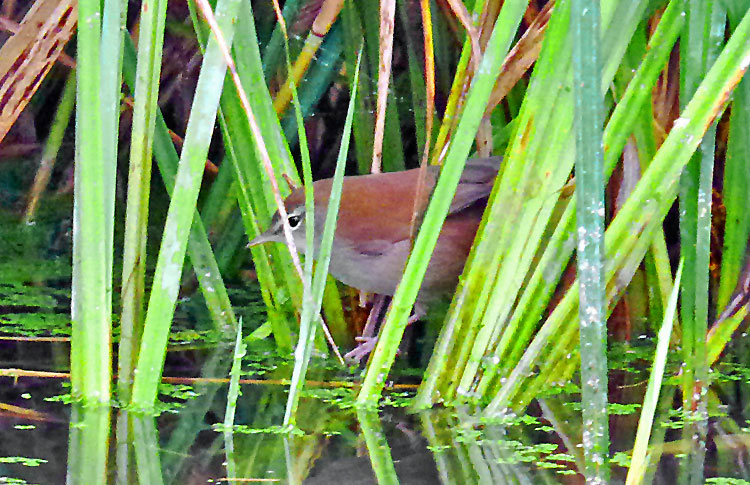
(736, 186)
(589, 112)
(639, 462)
(310, 302)
(180, 215)
(697, 54)
(699, 48)
(113, 26)
(314, 291)
(91, 310)
(146, 450)
(377, 447)
(233, 395)
(123, 467)
(406, 293)
(150, 42)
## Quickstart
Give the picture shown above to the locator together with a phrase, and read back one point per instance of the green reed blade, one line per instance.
(180, 215)
(699, 47)
(406, 293)
(651, 399)
(150, 43)
(736, 186)
(653, 195)
(91, 307)
(314, 292)
(589, 114)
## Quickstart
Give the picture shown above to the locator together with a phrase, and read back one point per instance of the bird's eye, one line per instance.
(294, 220)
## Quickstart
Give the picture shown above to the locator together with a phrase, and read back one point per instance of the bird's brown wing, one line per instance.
(475, 183)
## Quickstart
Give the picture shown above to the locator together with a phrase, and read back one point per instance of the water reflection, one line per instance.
(335, 443)
(88, 447)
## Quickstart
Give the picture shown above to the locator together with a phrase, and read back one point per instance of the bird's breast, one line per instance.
(377, 265)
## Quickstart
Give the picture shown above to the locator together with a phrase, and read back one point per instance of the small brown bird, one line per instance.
(372, 238)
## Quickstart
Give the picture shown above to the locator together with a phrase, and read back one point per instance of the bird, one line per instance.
(373, 233)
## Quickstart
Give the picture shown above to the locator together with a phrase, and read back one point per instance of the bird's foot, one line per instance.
(366, 345)
(367, 341)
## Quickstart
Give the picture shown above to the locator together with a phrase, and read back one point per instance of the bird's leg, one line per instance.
(374, 316)
(368, 339)
(419, 312)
